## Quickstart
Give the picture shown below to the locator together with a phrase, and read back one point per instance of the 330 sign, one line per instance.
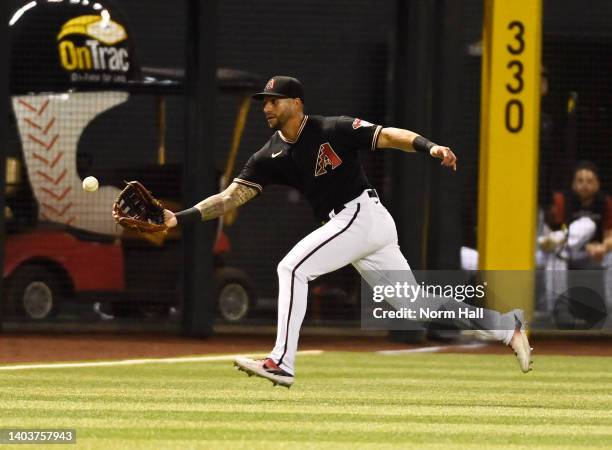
(515, 111)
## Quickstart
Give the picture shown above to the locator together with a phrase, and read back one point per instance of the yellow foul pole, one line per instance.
(509, 136)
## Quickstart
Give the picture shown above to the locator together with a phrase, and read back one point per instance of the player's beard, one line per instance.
(279, 120)
(276, 124)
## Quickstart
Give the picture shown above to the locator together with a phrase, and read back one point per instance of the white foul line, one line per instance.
(133, 362)
(432, 349)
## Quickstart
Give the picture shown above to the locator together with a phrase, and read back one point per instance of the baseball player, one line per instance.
(319, 156)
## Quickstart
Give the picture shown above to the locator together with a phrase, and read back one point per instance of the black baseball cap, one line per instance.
(281, 86)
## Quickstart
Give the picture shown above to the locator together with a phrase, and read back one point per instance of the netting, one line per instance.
(575, 212)
(575, 118)
(84, 105)
(87, 99)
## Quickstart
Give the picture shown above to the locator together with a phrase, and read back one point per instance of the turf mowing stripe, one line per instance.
(133, 362)
(158, 426)
(236, 415)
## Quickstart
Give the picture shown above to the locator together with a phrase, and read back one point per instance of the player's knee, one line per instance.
(288, 269)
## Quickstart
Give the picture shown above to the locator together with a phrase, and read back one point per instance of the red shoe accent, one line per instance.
(270, 364)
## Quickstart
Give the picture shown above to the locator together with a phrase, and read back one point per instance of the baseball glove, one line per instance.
(136, 209)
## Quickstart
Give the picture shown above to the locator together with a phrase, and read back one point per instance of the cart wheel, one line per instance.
(34, 292)
(234, 294)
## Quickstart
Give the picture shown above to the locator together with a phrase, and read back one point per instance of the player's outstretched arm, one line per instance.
(212, 207)
(409, 141)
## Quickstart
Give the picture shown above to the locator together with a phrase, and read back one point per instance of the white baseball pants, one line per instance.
(362, 234)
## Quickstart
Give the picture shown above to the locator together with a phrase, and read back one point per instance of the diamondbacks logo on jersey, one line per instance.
(327, 157)
(358, 123)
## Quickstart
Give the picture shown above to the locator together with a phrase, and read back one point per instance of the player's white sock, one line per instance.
(504, 336)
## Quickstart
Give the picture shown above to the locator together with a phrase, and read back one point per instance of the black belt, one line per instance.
(371, 193)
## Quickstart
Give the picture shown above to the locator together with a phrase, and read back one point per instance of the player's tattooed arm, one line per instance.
(399, 138)
(231, 198)
(409, 141)
(212, 207)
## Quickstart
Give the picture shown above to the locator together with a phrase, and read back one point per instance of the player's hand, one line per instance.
(169, 218)
(596, 250)
(445, 154)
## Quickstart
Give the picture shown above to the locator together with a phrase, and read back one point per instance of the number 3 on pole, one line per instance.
(518, 37)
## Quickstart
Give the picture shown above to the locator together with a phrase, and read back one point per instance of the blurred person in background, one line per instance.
(583, 215)
(576, 250)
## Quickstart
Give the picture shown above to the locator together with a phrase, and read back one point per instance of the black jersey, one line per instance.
(323, 162)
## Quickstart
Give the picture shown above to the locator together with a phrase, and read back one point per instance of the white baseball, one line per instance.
(90, 184)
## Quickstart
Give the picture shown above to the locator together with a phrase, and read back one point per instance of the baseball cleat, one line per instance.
(265, 368)
(520, 345)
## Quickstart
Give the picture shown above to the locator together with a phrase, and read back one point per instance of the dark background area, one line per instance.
(357, 58)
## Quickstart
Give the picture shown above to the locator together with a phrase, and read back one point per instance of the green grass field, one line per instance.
(340, 400)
